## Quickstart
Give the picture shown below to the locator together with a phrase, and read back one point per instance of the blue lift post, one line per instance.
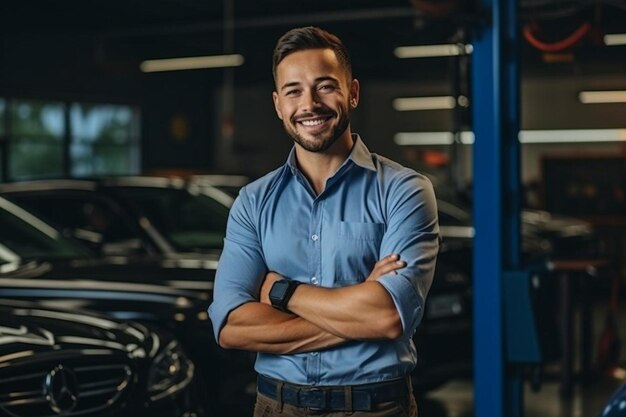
(496, 196)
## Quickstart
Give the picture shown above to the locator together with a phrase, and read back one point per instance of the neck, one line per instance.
(317, 167)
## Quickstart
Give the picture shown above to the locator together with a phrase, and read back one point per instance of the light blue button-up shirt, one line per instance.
(371, 207)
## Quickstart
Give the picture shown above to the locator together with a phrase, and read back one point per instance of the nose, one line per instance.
(310, 100)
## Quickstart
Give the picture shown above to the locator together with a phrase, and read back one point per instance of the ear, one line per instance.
(276, 106)
(355, 89)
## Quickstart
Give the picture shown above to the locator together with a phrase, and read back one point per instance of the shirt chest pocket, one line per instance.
(357, 250)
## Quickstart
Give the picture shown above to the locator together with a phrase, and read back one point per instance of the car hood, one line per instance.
(128, 291)
(554, 225)
(26, 330)
(155, 274)
(541, 233)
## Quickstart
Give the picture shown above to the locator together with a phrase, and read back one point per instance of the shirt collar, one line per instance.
(359, 155)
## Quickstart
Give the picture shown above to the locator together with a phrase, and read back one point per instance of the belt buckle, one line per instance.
(324, 397)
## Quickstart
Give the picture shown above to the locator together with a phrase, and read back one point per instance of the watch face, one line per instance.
(279, 289)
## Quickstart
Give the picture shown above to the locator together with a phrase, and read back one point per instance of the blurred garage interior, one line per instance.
(516, 109)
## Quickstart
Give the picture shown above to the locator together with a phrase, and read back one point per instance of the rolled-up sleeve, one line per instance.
(241, 267)
(413, 233)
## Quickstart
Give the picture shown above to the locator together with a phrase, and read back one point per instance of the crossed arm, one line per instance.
(323, 317)
(379, 308)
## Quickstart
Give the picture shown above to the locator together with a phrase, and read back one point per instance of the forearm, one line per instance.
(364, 311)
(261, 328)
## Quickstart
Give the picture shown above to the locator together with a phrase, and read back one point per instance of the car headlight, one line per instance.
(170, 372)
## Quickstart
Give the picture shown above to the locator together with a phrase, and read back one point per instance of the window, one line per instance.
(46, 139)
(35, 139)
(29, 240)
(191, 222)
(96, 221)
(104, 139)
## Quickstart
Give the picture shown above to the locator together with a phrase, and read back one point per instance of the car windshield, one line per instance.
(190, 220)
(23, 237)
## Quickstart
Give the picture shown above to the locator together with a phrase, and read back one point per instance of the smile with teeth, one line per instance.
(314, 122)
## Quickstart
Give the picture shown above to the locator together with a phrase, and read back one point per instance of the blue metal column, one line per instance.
(495, 113)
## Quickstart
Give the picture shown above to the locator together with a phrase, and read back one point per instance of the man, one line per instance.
(299, 281)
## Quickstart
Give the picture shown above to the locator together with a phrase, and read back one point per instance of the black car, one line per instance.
(543, 234)
(37, 263)
(62, 363)
(228, 183)
(446, 335)
(131, 215)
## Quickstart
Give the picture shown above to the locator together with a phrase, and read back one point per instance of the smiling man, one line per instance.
(327, 260)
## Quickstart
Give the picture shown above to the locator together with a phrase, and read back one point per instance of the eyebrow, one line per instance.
(317, 80)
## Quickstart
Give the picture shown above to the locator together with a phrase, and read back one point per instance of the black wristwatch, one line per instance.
(281, 293)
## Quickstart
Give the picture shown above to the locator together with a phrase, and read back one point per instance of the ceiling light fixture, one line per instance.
(556, 136)
(431, 138)
(594, 97)
(614, 39)
(190, 63)
(572, 135)
(424, 103)
(431, 51)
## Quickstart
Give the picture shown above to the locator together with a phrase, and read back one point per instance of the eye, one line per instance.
(327, 87)
(292, 92)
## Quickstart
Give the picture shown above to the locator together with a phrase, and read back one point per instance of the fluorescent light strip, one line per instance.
(572, 136)
(563, 136)
(615, 39)
(430, 138)
(466, 232)
(424, 103)
(197, 62)
(430, 51)
(593, 97)
(423, 138)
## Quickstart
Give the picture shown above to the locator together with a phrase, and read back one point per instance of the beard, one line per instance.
(322, 141)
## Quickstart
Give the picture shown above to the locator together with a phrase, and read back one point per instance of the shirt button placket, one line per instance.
(314, 361)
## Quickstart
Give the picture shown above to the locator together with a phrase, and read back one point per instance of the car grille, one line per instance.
(67, 386)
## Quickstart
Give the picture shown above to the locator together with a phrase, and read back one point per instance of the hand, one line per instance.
(389, 264)
(264, 293)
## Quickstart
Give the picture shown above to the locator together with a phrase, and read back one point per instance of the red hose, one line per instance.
(558, 46)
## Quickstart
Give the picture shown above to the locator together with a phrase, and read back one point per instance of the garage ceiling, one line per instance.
(134, 30)
(102, 15)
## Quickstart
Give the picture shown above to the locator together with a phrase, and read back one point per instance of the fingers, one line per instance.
(388, 264)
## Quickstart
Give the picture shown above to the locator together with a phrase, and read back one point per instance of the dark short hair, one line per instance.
(310, 37)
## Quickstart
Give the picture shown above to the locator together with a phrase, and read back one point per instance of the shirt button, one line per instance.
(315, 237)
(315, 280)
